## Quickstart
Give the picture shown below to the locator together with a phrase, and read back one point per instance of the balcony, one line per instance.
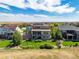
(40, 27)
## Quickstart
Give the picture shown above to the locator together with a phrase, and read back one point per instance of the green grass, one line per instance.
(68, 43)
(36, 45)
(4, 43)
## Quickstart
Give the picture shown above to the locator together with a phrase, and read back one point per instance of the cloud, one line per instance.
(19, 3)
(46, 5)
(4, 17)
(64, 9)
(3, 6)
(50, 6)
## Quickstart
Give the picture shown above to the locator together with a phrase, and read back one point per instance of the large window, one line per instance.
(70, 31)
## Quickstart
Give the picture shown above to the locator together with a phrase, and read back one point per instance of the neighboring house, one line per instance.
(38, 31)
(6, 32)
(70, 32)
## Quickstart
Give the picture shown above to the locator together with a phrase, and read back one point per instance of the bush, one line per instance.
(75, 45)
(59, 43)
(46, 46)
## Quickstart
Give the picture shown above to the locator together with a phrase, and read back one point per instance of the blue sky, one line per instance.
(39, 10)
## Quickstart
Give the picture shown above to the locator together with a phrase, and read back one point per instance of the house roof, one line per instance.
(9, 27)
(68, 27)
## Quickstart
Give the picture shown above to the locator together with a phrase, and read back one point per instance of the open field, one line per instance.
(69, 53)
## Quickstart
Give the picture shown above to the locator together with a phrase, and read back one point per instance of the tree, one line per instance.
(16, 38)
(56, 33)
(59, 39)
(55, 29)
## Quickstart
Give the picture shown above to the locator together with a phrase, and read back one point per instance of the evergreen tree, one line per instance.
(17, 38)
(58, 35)
(58, 39)
(55, 32)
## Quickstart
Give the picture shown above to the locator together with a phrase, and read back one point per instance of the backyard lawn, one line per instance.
(36, 44)
(4, 43)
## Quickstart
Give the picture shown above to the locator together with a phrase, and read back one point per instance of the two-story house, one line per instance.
(70, 32)
(39, 31)
(6, 32)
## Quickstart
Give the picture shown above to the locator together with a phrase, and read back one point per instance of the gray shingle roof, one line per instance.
(68, 27)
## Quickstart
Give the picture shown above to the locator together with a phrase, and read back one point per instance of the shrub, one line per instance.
(59, 43)
(75, 45)
(46, 46)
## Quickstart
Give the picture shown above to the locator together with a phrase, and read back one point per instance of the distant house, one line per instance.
(6, 32)
(70, 32)
(38, 31)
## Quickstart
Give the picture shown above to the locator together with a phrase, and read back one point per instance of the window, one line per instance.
(70, 31)
(37, 33)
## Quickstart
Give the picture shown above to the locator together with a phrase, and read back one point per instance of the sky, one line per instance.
(39, 10)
